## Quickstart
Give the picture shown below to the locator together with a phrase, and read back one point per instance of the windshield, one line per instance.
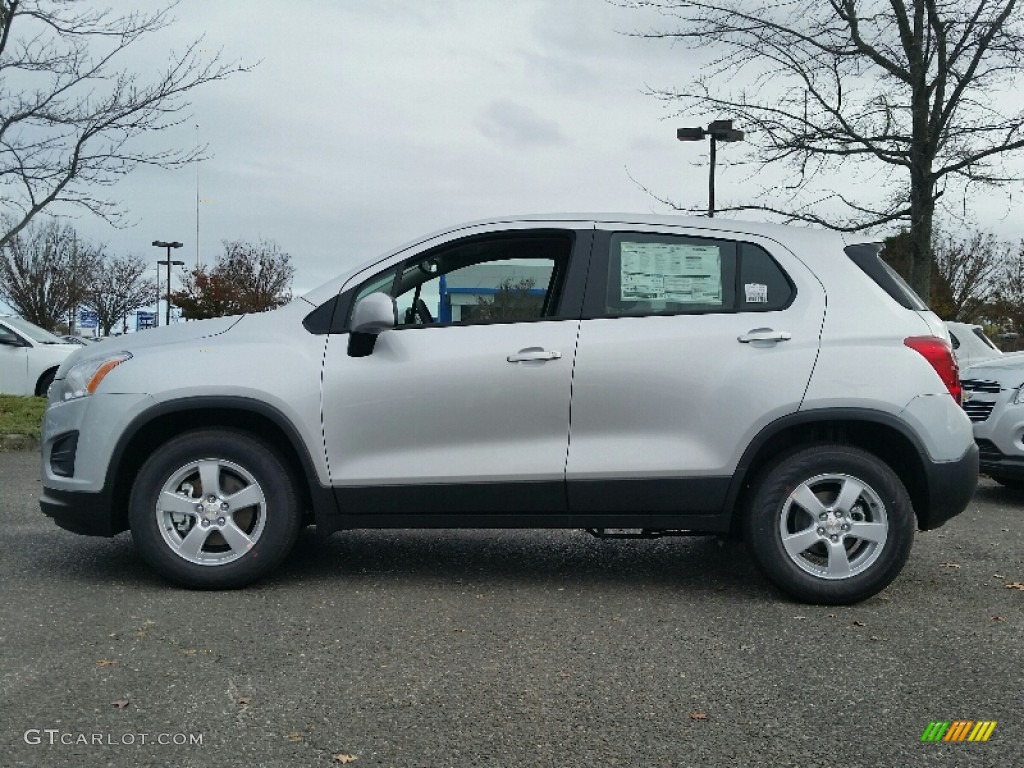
(34, 332)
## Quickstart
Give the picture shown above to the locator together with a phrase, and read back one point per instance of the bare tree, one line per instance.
(44, 270)
(248, 277)
(967, 269)
(70, 127)
(118, 286)
(1008, 296)
(912, 91)
(261, 273)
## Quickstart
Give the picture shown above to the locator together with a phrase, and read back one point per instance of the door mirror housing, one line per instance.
(374, 314)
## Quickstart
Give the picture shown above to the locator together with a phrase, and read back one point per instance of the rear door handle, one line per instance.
(764, 334)
(533, 355)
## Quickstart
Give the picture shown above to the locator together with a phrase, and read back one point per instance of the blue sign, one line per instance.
(88, 319)
(145, 320)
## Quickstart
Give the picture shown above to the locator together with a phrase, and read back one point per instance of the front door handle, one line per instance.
(764, 334)
(533, 355)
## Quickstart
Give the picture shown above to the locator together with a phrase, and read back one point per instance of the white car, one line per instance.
(29, 357)
(970, 344)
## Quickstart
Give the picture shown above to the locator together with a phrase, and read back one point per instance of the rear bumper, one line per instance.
(951, 485)
(90, 514)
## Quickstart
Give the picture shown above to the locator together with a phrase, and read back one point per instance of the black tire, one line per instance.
(263, 532)
(812, 568)
(43, 386)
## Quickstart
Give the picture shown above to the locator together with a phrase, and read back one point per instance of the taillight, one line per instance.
(938, 352)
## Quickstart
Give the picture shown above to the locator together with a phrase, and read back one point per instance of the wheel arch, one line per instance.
(876, 432)
(170, 419)
(51, 372)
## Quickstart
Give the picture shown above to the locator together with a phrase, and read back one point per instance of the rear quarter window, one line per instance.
(867, 256)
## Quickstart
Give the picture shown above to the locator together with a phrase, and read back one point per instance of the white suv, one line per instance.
(662, 375)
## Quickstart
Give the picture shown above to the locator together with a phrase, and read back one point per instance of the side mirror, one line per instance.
(374, 314)
(11, 339)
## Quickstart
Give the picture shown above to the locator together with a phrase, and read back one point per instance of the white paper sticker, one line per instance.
(756, 293)
(684, 274)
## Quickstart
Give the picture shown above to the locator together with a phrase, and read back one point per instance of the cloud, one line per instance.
(517, 125)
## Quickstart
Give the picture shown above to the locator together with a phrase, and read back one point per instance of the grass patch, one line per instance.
(21, 415)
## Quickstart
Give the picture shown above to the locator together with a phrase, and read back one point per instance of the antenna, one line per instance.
(197, 196)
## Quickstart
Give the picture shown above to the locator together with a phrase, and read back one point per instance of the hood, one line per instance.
(153, 337)
(1008, 370)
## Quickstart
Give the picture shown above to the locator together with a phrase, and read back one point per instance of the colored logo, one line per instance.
(959, 730)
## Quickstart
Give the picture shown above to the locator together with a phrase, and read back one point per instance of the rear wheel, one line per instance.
(214, 509)
(830, 524)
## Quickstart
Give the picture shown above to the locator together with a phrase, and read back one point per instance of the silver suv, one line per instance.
(627, 375)
(994, 400)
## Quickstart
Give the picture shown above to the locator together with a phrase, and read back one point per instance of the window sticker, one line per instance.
(756, 293)
(684, 274)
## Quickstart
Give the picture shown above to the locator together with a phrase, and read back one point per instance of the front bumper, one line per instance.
(76, 491)
(81, 512)
(995, 463)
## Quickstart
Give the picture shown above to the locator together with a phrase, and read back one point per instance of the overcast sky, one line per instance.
(368, 122)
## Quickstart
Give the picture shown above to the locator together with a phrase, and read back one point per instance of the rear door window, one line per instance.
(654, 274)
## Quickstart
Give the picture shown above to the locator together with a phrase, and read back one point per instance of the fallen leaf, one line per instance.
(998, 618)
(293, 736)
(120, 703)
(857, 623)
(950, 565)
(105, 662)
(343, 758)
(1016, 585)
(698, 716)
(245, 701)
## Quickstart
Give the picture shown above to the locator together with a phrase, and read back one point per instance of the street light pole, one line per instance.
(169, 263)
(717, 130)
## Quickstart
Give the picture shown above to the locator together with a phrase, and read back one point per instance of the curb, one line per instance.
(18, 443)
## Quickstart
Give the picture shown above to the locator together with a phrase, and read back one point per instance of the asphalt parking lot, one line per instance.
(476, 648)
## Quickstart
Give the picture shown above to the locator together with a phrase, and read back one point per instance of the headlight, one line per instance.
(1018, 395)
(82, 378)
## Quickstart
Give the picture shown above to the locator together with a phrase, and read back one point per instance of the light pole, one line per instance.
(717, 130)
(169, 263)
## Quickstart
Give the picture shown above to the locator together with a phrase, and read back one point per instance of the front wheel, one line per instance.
(830, 524)
(214, 509)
